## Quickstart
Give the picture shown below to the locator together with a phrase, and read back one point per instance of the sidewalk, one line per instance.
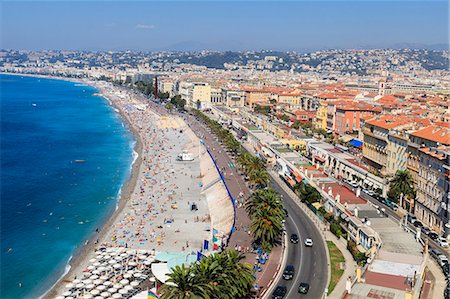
(350, 266)
(439, 284)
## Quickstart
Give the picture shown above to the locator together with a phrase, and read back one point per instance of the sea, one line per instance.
(65, 153)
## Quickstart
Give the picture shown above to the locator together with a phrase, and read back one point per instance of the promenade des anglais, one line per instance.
(248, 149)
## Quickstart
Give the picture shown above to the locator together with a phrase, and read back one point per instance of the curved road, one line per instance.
(310, 263)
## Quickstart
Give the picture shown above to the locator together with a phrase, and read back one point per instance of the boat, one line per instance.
(80, 161)
(33, 104)
(185, 156)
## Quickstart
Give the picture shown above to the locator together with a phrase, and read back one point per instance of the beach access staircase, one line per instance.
(210, 185)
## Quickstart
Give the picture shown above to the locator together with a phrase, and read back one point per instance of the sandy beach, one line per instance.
(166, 205)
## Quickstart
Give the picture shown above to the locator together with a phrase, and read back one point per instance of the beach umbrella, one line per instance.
(86, 274)
(112, 290)
(95, 292)
(117, 266)
(94, 277)
(70, 297)
(128, 288)
(147, 263)
(124, 254)
(101, 268)
(96, 264)
(90, 286)
(97, 281)
(98, 297)
(96, 272)
(117, 296)
(132, 263)
(134, 283)
(124, 281)
(67, 293)
(92, 260)
(87, 296)
(91, 267)
(69, 285)
(123, 291)
(107, 283)
(109, 250)
(105, 294)
(87, 281)
(103, 277)
(80, 285)
(111, 262)
(101, 287)
(127, 275)
(137, 274)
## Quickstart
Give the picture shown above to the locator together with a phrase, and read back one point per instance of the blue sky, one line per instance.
(292, 25)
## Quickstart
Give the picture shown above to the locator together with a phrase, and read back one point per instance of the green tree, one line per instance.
(259, 178)
(169, 106)
(402, 182)
(184, 283)
(307, 193)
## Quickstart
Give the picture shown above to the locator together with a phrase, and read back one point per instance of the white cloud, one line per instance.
(145, 26)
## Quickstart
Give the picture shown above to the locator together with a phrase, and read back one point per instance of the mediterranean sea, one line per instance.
(65, 154)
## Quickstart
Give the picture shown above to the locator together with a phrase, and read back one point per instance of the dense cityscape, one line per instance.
(355, 142)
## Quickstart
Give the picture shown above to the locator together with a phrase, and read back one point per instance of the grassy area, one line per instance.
(336, 258)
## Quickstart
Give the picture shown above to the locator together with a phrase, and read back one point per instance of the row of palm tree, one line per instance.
(265, 209)
(220, 275)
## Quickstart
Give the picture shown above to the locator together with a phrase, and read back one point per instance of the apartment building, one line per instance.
(428, 161)
(196, 94)
(291, 100)
(256, 96)
(347, 118)
(320, 121)
(217, 97)
(385, 143)
(165, 85)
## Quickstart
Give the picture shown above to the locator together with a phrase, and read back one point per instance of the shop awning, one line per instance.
(356, 143)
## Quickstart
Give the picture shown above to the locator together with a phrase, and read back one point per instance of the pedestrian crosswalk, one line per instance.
(231, 164)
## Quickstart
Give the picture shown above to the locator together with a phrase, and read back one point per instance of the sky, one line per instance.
(216, 25)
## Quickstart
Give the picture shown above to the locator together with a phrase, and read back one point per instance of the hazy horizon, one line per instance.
(235, 26)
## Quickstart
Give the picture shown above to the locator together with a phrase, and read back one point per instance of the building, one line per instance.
(235, 99)
(428, 161)
(347, 119)
(165, 85)
(320, 121)
(385, 143)
(217, 97)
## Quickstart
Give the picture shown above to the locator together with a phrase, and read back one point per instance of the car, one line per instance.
(286, 213)
(280, 292)
(288, 272)
(303, 288)
(442, 260)
(433, 236)
(294, 238)
(417, 223)
(354, 184)
(435, 253)
(411, 218)
(371, 193)
(425, 230)
(308, 242)
(442, 242)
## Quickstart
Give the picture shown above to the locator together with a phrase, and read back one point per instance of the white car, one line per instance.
(308, 242)
(442, 242)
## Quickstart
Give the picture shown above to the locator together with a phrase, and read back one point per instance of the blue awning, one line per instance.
(356, 143)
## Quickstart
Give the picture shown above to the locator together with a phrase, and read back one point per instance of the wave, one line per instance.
(66, 270)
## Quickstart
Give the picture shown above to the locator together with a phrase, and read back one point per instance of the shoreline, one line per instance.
(126, 190)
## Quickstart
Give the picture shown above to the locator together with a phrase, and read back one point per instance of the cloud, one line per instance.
(145, 26)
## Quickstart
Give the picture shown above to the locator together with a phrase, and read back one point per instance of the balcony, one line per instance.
(366, 131)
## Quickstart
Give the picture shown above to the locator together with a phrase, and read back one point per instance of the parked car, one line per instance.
(411, 218)
(288, 272)
(308, 242)
(442, 260)
(417, 223)
(280, 292)
(303, 288)
(286, 213)
(425, 230)
(433, 236)
(435, 253)
(442, 242)
(354, 184)
(294, 238)
(371, 193)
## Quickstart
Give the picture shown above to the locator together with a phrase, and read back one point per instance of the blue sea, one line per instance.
(49, 203)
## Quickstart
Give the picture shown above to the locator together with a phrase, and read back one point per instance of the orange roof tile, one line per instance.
(434, 133)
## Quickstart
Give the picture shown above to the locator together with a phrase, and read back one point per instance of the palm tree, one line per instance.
(263, 200)
(184, 284)
(267, 226)
(306, 192)
(402, 182)
(260, 178)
